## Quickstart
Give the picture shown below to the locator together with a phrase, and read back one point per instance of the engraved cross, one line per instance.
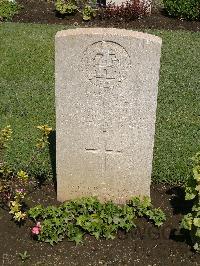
(105, 151)
(106, 64)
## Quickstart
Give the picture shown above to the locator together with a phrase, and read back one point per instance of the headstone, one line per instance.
(106, 96)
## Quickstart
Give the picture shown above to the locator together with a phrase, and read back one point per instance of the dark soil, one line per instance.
(145, 245)
(41, 11)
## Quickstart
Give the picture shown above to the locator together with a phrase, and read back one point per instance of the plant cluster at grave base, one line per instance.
(75, 218)
(184, 9)
(129, 9)
(191, 221)
(72, 219)
(9, 8)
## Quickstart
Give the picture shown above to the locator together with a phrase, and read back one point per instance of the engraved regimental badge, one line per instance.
(106, 64)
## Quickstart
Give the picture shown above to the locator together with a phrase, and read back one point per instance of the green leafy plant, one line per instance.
(66, 7)
(88, 13)
(73, 219)
(191, 221)
(16, 206)
(24, 256)
(9, 8)
(185, 9)
(143, 207)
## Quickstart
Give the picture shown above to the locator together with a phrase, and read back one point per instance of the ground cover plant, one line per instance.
(73, 219)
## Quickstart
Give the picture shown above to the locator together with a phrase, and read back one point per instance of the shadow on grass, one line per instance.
(52, 152)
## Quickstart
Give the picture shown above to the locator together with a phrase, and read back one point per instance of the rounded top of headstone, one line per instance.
(109, 32)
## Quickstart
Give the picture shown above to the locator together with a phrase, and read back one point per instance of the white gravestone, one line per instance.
(106, 96)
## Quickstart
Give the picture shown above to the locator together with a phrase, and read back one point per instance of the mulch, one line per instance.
(41, 11)
(145, 245)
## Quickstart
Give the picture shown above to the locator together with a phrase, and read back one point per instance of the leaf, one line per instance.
(196, 222)
(197, 247)
(78, 238)
(197, 234)
(24, 256)
(187, 221)
(190, 195)
(96, 234)
(197, 188)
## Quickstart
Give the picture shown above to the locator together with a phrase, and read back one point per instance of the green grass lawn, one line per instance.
(27, 96)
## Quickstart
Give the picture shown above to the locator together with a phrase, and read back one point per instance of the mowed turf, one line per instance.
(27, 97)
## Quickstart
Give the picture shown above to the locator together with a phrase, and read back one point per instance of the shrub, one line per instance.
(129, 10)
(88, 13)
(8, 8)
(185, 9)
(66, 7)
(191, 221)
(69, 7)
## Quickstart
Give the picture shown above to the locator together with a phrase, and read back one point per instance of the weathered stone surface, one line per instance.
(106, 95)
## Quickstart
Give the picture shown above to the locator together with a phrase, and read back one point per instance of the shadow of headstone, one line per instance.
(178, 202)
(52, 152)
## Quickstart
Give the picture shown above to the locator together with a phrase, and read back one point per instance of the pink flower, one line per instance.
(36, 229)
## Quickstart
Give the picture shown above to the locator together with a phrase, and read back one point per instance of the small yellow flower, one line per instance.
(45, 128)
(19, 216)
(22, 175)
(5, 136)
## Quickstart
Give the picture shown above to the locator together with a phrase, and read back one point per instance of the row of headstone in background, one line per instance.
(106, 97)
